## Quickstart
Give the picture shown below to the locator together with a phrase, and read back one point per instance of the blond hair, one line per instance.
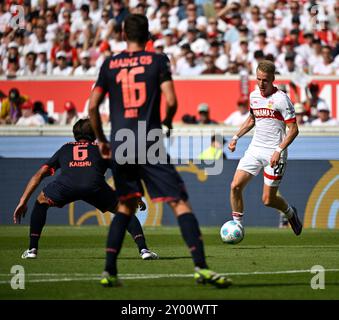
(266, 66)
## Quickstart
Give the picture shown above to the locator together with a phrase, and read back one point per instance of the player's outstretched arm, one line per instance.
(167, 88)
(245, 127)
(290, 136)
(33, 183)
(94, 116)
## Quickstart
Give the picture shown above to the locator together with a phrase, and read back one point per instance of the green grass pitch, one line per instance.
(268, 264)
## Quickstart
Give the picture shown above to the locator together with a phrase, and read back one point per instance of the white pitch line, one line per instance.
(92, 277)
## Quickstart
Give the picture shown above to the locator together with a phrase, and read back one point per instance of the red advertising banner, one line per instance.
(220, 93)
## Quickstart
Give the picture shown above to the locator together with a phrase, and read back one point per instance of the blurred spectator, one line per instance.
(103, 110)
(82, 29)
(95, 12)
(217, 51)
(118, 11)
(62, 69)
(30, 68)
(300, 114)
(170, 47)
(238, 117)
(316, 56)
(325, 34)
(38, 41)
(216, 150)
(70, 114)
(63, 44)
(189, 119)
(326, 67)
(116, 42)
(12, 57)
(254, 22)
(197, 44)
(232, 34)
(213, 31)
(258, 56)
(2, 98)
(28, 118)
(324, 118)
(11, 107)
(52, 25)
(190, 67)
(274, 33)
(159, 46)
(211, 68)
(305, 49)
(294, 11)
(38, 107)
(241, 53)
(218, 28)
(232, 68)
(313, 101)
(191, 15)
(43, 64)
(261, 43)
(85, 68)
(104, 51)
(105, 28)
(204, 114)
(12, 68)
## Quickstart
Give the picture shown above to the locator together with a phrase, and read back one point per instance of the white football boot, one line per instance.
(30, 254)
(148, 255)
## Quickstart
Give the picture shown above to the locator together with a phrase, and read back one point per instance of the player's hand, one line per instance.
(142, 205)
(232, 145)
(19, 212)
(275, 159)
(169, 127)
(105, 150)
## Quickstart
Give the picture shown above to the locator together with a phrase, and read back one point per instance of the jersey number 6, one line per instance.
(80, 153)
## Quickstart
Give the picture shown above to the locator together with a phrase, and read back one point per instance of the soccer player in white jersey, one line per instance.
(271, 111)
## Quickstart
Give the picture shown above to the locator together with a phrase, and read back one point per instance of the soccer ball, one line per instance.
(232, 232)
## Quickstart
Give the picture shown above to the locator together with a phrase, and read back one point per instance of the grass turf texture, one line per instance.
(71, 260)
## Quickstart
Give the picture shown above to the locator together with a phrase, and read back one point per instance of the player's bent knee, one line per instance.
(236, 187)
(179, 207)
(42, 199)
(129, 206)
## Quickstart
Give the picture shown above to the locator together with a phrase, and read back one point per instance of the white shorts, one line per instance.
(256, 159)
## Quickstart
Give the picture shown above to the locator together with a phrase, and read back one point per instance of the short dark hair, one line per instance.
(136, 28)
(82, 130)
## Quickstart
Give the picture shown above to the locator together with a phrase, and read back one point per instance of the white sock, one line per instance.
(237, 216)
(289, 212)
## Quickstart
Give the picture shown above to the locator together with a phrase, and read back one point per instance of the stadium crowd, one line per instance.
(73, 37)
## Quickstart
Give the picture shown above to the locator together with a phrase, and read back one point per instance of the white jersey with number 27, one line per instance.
(271, 115)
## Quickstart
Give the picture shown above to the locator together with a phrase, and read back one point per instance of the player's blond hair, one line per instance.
(266, 66)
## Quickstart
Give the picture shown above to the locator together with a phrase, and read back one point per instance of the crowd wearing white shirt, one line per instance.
(238, 30)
